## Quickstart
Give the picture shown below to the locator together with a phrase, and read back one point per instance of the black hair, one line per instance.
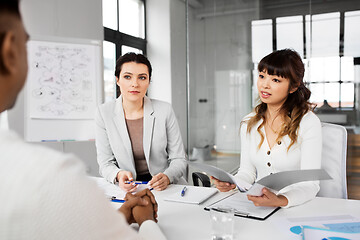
(7, 7)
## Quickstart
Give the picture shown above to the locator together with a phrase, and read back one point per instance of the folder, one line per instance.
(274, 182)
(193, 195)
(243, 207)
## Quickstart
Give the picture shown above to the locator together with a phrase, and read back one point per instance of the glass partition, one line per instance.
(227, 39)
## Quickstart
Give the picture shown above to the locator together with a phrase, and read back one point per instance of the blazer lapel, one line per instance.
(119, 119)
(148, 127)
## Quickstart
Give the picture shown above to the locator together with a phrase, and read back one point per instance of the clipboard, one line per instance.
(242, 207)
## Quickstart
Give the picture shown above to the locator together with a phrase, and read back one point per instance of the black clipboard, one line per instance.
(239, 213)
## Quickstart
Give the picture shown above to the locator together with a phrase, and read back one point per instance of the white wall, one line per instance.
(166, 49)
(158, 48)
(80, 19)
(178, 63)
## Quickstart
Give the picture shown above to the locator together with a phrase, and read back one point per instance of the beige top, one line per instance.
(135, 129)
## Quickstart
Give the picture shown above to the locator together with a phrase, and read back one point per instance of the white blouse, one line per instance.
(257, 163)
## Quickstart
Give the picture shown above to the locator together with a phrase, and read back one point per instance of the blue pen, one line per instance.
(137, 182)
(183, 191)
(114, 199)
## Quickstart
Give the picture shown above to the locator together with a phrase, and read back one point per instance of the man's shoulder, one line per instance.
(31, 158)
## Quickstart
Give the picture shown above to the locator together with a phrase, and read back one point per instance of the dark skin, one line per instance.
(140, 207)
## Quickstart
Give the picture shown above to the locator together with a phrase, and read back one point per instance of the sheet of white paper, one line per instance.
(113, 189)
(279, 180)
(256, 190)
(292, 227)
(221, 175)
(310, 232)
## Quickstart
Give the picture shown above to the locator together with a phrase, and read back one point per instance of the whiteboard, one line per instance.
(62, 89)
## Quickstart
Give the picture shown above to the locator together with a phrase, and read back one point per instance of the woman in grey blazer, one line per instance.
(138, 137)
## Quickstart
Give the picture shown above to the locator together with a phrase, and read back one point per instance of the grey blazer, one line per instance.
(162, 143)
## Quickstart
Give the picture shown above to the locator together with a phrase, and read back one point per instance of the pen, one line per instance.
(114, 199)
(183, 191)
(137, 182)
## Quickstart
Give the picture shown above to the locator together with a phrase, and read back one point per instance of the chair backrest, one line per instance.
(334, 161)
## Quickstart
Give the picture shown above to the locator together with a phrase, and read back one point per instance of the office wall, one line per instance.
(158, 48)
(83, 19)
(80, 19)
(166, 35)
(178, 63)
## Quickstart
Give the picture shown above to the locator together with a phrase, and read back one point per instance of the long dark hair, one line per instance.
(285, 63)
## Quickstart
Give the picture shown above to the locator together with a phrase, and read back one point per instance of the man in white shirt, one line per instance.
(45, 194)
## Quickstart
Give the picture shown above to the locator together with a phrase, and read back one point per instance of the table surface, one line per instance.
(191, 221)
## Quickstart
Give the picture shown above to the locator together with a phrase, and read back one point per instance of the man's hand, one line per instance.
(129, 205)
(160, 181)
(222, 186)
(269, 199)
(123, 176)
(143, 193)
(142, 213)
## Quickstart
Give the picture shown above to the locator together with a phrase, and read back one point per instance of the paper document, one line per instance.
(293, 227)
(335, 231)
(243, 207)
(111, 190)
(275, 181)
(194, 195)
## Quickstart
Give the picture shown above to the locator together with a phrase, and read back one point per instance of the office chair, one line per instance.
(333, 160)
(204, 179)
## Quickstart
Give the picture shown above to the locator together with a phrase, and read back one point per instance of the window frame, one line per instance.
(119, 39)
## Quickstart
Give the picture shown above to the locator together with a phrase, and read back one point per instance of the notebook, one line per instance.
(193, 195)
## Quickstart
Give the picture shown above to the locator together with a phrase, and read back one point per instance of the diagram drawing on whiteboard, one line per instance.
(61, 80)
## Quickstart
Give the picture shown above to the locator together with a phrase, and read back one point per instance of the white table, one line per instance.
(181, 221)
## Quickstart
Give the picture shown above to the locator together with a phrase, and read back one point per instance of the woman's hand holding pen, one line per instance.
(269, 199)
(160, 181)
(222, 186)
(124, 176)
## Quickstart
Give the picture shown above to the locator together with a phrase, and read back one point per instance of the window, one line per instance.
(109, 69)
(124, 31)
(329, 54)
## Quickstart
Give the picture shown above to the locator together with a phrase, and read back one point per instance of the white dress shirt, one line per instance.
(46, 195)
(257, 163)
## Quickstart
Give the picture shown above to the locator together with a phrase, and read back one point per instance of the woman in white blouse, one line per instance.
(138, 138)
(282, 133)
